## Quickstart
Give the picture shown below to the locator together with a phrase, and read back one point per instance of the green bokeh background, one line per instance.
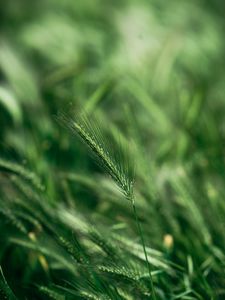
(152, 70)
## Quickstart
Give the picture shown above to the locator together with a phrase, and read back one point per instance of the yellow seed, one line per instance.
(43, 262)
(32, 236)
(168, 241)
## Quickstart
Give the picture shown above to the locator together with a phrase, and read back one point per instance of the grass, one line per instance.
(126, 200)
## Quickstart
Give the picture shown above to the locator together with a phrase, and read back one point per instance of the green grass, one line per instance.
(112, 150)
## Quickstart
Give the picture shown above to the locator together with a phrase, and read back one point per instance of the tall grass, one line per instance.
(141, 214)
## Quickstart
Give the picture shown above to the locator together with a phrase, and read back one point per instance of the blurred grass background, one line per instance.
(151, 70)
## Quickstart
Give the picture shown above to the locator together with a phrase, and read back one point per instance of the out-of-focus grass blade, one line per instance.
(18, 74)
(97, 96)
(13, 168)
(5, 291)
(11, 104)
(151, 106)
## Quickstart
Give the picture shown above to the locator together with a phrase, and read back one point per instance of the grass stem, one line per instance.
(144, 247)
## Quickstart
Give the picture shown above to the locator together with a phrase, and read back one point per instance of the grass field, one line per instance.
(112, 149)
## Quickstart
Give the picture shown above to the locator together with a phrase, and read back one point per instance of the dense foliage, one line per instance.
(112, 164)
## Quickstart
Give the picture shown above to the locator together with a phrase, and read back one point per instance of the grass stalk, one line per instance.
(144, 247)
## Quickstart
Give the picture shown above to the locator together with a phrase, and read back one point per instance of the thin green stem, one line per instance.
(144, 248)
